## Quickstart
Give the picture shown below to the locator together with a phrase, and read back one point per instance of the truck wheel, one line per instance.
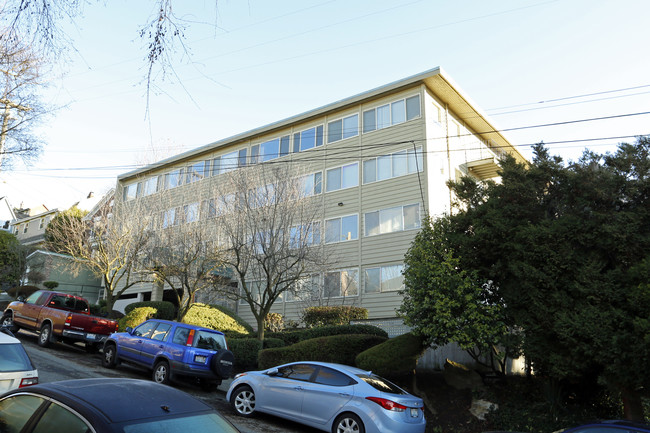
(45, 338)
(221, 363)
(161, 372)
(8, 322)
(109, 360)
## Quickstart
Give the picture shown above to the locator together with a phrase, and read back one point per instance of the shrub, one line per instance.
(393, 358)
(135, 317)
(342, 349)
(231, 313)
(338, 315)
(274, 322)
(51, 284)
(165, 310)
(246, 351)
(295, 336)
(270, 343)
(213, 318)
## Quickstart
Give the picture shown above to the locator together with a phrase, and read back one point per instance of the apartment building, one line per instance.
(378, 161)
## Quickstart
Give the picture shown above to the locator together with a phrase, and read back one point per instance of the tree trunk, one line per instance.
(260, 328)
(632, 404)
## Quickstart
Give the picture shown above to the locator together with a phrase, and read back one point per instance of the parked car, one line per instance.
(58, 316)
(107, 405)
(16, 369)
(330, 397)
(612, 426)
(172, 349)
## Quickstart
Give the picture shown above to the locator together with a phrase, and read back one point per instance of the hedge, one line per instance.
(208, 316)
(165, 310)
(135, 317)
(393, 358)
(245, 351)
(292, 337)
(337, 315)
(231, 313)
(342, 349)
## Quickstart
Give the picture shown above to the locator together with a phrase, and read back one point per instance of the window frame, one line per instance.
(380, 287)
(384, 123)
(340, 283)
(343, 134)
(378, 212)
(340, 238)
(341, 177)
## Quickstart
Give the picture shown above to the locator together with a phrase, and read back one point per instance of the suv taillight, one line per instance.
(190, 338)
(27, 381)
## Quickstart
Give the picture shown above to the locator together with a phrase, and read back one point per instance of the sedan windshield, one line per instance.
(381, 384)
(196, 423)
(14, 358)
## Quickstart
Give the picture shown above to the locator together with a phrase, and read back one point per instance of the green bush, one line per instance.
(231, 313)
(214, 318)
(393, 358)
(135, 317)
(246, 351)
(342, 349)
(51, 285)
(165, 310)
(270, 343)
(338, 315)
(295, 336)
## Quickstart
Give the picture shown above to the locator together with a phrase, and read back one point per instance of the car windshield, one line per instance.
(14, 358)
(206, 422)
(381, 384)
(209, 340)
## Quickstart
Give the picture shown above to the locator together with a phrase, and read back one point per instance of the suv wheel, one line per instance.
(161, 372)
(109, 358)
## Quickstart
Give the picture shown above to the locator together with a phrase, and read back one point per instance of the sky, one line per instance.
(574, 74)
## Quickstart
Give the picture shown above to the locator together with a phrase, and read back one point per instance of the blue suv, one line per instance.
(172, 349)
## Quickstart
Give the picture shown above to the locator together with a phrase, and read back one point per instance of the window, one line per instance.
(169, 218)
(173, 178)
(160, 333)
(228, 161)
(208, 209)
(191, 212)
(308, 139)
(301, 372)
(150, 186)
(392, 220)
(304, 289)
(394, 113)
(312, 184)
(383, 279)
(437, 114)
(41, 224)
(393, 165)
(304, 235)
(341, 283)
(130, 191)
(181, 335)
(274, 148)
(25, 227)
(343, 177)
(145, 329)
(343, 128)
(342, 229)
(331, 377)
(195, 172)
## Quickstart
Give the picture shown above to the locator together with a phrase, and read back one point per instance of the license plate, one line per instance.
(415, 412)
(91, 336)
(200, 358)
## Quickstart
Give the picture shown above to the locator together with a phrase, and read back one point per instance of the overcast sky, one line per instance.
(534, 66)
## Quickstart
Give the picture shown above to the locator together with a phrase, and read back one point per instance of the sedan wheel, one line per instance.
(161, 372)
(243, 401)
(348, 423)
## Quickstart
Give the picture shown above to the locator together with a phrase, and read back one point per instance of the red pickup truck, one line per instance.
(58, 316)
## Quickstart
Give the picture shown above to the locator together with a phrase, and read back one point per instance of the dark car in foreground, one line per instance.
(330, 397)
(107, 405)
(613, 426)
(172, 349)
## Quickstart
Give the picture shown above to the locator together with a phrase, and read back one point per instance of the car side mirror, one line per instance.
(273, 372)
(21, 298)
(129, 330)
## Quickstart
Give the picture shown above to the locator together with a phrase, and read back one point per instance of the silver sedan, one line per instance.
(330, 397)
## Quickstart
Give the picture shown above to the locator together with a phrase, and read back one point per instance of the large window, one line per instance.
(131, 191)
(383, 279)
(392, 165)
(341, 283)
(304, 235)
(273, 148)
(343, 177)
(304, 289)
(150, 186)
(191, 212)
(174, 178)
(308, 139)
(169, 218)
(391, 114)
(342, 229)
(343, 128)
(311, 184)
(195, 172)
(391, 220)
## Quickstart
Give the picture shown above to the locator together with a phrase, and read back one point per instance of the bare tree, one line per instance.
(39, 21)
(20, 104)
(269, 226)
(110, 246)
(182, 254)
